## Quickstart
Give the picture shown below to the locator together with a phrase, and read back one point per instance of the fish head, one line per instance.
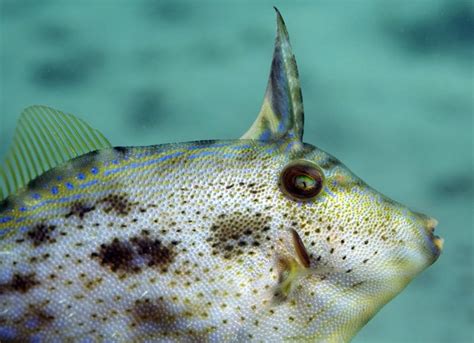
(362, 248)
(401, 241)
(372, 236)
(356, 248)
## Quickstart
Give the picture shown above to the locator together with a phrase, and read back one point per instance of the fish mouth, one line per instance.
(433, 243)
(436, 241)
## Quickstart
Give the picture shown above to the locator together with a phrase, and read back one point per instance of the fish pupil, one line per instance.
(304, 182)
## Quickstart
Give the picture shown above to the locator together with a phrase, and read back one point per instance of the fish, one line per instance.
(261, 238)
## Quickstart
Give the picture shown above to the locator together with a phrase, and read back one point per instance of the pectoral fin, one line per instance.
(45, 138)
(300, 249)
(282, 114)
(293, 262)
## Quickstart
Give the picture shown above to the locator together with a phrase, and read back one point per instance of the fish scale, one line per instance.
(178, 223)
(263, 238)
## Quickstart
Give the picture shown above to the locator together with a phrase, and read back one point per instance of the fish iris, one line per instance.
(301, 180)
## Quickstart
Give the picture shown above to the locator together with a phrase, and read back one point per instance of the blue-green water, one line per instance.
(388, 89)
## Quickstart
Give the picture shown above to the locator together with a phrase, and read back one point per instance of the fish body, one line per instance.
(264, 238)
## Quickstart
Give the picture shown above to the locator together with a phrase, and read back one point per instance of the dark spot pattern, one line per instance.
(118, 203)
(35, 319)
(131, 256)
(40, 234)
(21, 283)
(117, 255)
(233, 234)
(153, 251)
(79, 209)
(153, 312)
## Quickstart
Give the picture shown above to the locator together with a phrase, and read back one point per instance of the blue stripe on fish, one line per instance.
(5, 219)
(142, 164)
(88, 184)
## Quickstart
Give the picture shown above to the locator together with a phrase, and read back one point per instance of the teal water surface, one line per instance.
(388, 89)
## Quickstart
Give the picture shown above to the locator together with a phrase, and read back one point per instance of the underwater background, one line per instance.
(388, 88)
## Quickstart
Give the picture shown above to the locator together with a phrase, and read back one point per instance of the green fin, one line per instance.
(43, 139)
(282, 114)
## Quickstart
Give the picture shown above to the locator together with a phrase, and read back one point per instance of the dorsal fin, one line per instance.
(43, 139)
(282, 114)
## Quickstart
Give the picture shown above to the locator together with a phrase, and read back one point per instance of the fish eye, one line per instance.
(301, 180)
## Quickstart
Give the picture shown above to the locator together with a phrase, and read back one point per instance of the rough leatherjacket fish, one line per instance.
(263, 238)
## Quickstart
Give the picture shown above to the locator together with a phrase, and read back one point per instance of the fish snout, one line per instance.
(434, 242)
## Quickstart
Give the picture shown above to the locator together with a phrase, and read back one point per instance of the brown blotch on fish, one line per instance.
(154, 252)
(117, 255)
(131, 256)
(233, 234)
(117, 203)
(34, 320)
(91, 284)
(41, 233)
(20, 283)
(154, 312)
(79, 209)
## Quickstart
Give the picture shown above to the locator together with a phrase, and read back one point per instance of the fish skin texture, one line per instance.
(180, 242)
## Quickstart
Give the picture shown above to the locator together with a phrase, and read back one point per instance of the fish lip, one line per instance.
(436, 242)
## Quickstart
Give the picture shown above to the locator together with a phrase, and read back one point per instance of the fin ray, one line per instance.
(40, 153)
(44, 139)
(47, 137)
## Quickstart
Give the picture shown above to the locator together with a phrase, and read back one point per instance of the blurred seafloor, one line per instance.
(388, 89)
